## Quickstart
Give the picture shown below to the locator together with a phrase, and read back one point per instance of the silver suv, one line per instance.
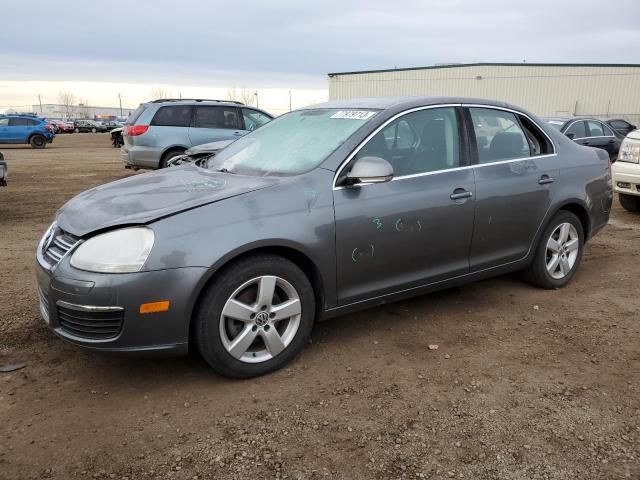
(160, 130)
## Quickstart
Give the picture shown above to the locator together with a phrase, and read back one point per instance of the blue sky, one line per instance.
(293, 44)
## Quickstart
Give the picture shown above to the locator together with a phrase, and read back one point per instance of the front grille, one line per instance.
(95, 325)
(44, 304)
(57, 247)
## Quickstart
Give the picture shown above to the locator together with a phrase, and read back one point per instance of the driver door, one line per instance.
(415, 229)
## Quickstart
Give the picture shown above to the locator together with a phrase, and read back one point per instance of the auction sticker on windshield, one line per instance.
(354, 114)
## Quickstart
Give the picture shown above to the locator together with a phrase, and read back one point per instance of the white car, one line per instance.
(626, 172)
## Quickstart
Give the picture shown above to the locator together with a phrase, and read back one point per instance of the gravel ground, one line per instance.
(524, 384)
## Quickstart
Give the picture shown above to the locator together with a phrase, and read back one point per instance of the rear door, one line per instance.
(214, 123)
(600, 135)
(21, 128)
(169, 127)
(515, 175)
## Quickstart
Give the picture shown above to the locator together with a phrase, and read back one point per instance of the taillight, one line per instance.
(135, 130)
(49, 127)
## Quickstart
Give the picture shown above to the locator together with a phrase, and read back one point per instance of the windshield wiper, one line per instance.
(225, 170)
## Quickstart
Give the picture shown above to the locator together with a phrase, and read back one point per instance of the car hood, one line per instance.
(208, 147)
(143, 198)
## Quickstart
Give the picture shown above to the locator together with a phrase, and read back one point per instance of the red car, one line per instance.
(61, 127)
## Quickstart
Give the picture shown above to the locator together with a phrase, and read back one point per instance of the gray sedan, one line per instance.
(324, 211)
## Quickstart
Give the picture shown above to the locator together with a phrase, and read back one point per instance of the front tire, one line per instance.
(631, 203)
(559, 252)
(164, 161)
(38, 141)
(255, 317)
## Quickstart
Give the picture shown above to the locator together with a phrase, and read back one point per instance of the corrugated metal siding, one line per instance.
(544, 90)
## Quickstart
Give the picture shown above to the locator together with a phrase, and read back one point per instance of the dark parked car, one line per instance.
(86, 126)
(590, 132)
(620, 126)
(3, 171)
(113, 125)
(323, 211)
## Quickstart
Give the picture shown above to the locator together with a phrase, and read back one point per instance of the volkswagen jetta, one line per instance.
(325, 210)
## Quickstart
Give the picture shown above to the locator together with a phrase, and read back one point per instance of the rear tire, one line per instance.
(260, 342)
(93, 130)
(630, 203)
(558, 253)
(77, 130)
(168, 156)
(38, 141)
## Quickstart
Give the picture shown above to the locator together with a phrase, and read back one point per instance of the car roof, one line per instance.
(383, 103)
(18, 115)
(187, 101)
(570, 119)
(607, 119)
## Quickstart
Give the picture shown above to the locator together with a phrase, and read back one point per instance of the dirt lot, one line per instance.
(525, 384)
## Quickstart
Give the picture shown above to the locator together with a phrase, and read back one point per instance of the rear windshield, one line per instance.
(135, 115)
(291, 144)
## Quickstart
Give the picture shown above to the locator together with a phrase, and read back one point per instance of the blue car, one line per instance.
(25, 129)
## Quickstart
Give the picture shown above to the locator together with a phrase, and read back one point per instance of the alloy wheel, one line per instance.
(562, 250)
(260, 319)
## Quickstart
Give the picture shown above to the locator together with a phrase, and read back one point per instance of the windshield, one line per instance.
(292, 144)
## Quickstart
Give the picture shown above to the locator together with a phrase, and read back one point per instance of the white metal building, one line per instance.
(52, 110)
(603, 90)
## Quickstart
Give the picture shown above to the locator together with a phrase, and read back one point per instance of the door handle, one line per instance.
(585, 142)
(545, 180)
(238, 134)
(460, 193)
(611, 142)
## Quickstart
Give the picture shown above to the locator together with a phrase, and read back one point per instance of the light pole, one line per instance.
(289, 100)
(256, 94)
(120, 99)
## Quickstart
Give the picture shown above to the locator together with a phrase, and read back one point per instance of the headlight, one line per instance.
(119, 251)
(629, 151)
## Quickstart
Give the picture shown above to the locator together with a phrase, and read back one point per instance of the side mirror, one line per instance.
(570, 136)
(370, 170)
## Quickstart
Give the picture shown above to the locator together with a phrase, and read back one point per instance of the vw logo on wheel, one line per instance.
(262, 318)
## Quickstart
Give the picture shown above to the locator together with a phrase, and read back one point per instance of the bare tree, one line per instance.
(232, 94)
(243, 95)
(67, 99)
(247, 96)
(158, 93)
